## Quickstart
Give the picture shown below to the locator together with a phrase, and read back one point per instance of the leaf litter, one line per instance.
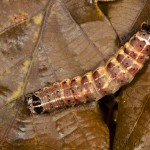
(40, 47)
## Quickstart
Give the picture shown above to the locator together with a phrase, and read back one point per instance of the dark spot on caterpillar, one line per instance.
(121, 81)
(146, 50)
(84, 80)
(96, 74)
(114, 71)
(127, 62)
(99, 82)
(120, 57)
(133, 70)
(121, 78)
(88, 99)
(60, 103)
(134, 39)
(141, 59)
(58, 93)
(64, 83)
(110, 65)
(76, 100)
(115, 74)
(144, 35)
(67, 92)
(104, 92)
(137, 44)
(73, 81)
(51, 105)
(132, 54)
(126, 50)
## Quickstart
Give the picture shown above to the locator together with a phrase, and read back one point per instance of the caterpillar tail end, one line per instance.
(34, 104)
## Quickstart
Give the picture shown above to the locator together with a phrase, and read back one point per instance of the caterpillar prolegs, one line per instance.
(118, 71)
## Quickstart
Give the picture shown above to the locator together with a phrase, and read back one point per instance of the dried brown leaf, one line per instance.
(133, 126)
(123, 15)
(49, 41)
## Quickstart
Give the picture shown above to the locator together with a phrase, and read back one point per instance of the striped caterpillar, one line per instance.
(118, 71)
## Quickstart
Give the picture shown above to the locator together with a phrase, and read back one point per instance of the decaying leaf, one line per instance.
(133, 126)
(123, 15)
(47, 42)
(20, 11)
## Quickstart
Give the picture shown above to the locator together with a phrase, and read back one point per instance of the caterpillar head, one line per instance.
(145, 27)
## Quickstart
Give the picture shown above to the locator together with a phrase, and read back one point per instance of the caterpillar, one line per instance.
(118, 71)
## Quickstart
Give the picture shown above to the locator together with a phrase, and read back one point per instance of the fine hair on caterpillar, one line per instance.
(119, 70)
